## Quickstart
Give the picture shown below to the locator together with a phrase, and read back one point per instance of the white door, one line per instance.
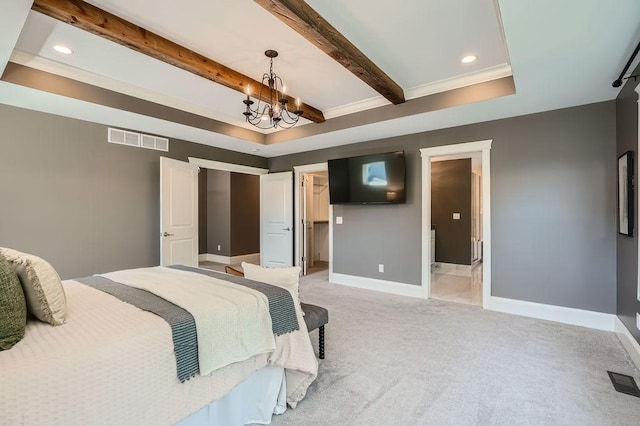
(178, 213)
(276, 213)
(307, 222)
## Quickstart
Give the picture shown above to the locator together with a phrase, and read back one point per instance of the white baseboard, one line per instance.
(233, 260)
(392, 287)
(581, 317)
(627, 340)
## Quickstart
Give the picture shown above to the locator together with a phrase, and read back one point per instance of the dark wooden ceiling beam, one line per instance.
(309, 24)
(104, 24)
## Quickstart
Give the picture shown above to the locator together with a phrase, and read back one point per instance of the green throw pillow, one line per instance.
(13, 307)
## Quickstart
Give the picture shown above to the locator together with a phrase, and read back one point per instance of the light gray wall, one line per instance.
(451, 192)
(553, 207)
(219, 212)
(627, 247)
(85, 205)
(245, 214)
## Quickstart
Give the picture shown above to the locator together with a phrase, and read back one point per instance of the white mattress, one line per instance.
(110, 364)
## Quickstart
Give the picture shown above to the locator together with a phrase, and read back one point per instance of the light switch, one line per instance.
(456, 216)
(338, 220)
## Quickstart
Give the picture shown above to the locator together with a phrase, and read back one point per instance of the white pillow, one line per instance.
(41, 284)
(282, 277)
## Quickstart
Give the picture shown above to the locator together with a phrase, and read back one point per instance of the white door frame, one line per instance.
(235, 168)
(461, 148)
(227, 167)
(298, 171)
(637, 206)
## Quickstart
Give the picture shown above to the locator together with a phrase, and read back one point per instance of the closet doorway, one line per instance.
(315, 219)
(313, 215)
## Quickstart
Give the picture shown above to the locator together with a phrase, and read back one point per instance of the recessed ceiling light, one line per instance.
(63, 49)
(468, 59)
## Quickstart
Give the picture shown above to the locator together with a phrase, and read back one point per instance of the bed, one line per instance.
(113, 363)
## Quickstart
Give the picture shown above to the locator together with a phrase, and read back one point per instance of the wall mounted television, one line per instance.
(368, 179)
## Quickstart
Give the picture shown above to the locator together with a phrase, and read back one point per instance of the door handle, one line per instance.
(286, 229)
(166, 234)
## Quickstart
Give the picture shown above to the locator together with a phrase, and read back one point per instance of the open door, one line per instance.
(178, 213)
(276, 216)
(307, 224)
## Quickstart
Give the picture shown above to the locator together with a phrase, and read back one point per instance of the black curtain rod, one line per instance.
(618, 82)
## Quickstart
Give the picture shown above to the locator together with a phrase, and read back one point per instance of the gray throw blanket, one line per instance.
(281, 307)
(183, 325)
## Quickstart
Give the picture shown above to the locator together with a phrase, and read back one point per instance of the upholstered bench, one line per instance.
(314, 316)
(234, 270)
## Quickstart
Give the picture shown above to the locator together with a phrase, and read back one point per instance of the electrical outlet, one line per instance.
(339, 220)
(638, 321)
(381, 268)
(456, 216)
(218, 247)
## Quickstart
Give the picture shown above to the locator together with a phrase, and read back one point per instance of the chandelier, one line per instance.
(271, 110)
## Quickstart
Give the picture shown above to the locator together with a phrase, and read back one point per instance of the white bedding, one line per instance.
(227, 315)
(112, 363)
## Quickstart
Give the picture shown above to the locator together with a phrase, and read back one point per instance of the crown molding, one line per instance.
(465, 80)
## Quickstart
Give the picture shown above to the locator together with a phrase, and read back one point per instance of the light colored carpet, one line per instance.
(394, 360)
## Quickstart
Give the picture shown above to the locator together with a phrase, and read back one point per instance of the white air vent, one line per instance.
(132, 139)
(116, 136)
(148, 142)
(162, 144)
(123, 137)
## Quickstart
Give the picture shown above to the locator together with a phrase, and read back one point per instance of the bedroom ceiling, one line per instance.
(560, 55)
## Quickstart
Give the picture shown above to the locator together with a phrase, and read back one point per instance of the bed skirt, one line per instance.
(255, 400)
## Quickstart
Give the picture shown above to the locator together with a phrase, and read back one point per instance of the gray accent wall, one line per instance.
(219, 212)
(627, 247)
(553, 179)
(232, 222)
(451, 193)
(245, 214)
(85, 205)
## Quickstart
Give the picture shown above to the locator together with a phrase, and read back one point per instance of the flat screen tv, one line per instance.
(368, 179)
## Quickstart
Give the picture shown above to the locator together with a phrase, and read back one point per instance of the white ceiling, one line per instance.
(561, 54)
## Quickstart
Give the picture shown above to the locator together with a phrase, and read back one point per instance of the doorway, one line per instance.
(478, 243)
(313, 218)
(229, 214)
(456, 228)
